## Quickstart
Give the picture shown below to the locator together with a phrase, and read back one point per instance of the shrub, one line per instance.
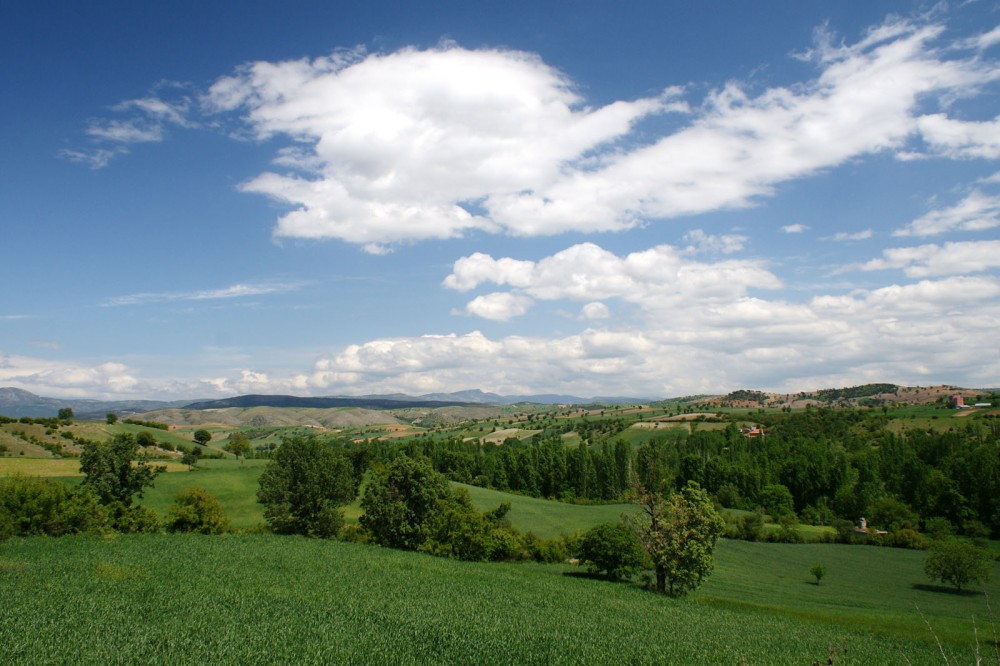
(34, 506)
(197, 510)
(612, 548)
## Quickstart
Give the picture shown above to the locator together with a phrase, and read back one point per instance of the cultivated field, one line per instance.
(283, 600)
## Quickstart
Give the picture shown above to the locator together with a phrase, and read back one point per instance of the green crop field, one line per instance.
(547, 518)
(168, 599)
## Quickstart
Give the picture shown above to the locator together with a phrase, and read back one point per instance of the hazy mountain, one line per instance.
(17, 402)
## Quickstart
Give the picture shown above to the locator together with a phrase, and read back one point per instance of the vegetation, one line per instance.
(817, 571)
(679, 534)
(958, 562)
(613, 549)
(197, 510)
(164, 599)
(304, 487)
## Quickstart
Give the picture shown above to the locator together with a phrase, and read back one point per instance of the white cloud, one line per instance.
(844, 236)
(659, 278)
(499, 306)
(594, 311)
(976, 212)
(414, 145)
(234, 291)
(959, 139)
(700, 242)
(931, 260)
(66, 378)
(794, 228)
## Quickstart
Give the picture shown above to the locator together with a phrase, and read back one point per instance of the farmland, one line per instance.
(164, 599)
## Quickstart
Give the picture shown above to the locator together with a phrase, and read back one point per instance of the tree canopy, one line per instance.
(679, 534)
(303, 487)
(958, 562)
(115, 471)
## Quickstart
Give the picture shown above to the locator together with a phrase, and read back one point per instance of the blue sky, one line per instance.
(630, 198)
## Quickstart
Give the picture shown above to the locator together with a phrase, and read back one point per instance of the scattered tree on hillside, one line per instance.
(202, 436)
(65, 414)
(112, 418)
(191, 458)
(115, 471)
(145, 439)
(679, 534)
(958, 562)
(238, 445)
(613, 549)
(304, 486)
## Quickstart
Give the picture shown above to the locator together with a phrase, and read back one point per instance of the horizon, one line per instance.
(530, 199)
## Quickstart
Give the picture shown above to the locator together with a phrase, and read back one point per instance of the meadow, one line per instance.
(167, 599)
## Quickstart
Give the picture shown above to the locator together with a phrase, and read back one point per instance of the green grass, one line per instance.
(865, 588)
(547, 518)
(168, 599)
(234, 483)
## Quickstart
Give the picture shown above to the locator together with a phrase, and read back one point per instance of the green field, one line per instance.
(547, 518)
(168, 599)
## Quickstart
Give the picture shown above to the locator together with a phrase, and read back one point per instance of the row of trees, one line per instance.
(820, 465)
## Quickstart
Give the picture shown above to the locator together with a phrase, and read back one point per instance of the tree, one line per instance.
(65, 414)
(611, 548)
(115, 471)
(777, 500)
(32, 505)
(197, 510)
(400, 503)
(958, 562)
(679, 535)
(238, 445)
(191, 458)
(818, 571)
(303, 487)
(202, 436)
(112, 418)
(145, 439)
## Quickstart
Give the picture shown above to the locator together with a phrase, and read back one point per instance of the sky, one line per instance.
(651, 199)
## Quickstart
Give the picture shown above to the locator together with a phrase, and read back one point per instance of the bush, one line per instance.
(34, 506)
(132, 519)
(907, 538)
(197, 510)
(613, 549)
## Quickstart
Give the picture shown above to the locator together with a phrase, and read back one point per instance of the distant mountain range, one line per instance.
(17, 402)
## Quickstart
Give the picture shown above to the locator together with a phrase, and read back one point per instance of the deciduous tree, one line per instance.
(679, 534)
(303, 487)
(958, 562)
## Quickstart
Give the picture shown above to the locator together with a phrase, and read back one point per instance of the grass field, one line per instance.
(547, 518)
(167, 599)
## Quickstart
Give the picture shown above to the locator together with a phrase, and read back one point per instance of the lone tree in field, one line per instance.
(238, 445)
(304, 486)
(818, 571)
(679, 534)
(958, 562)
(66, 414)
(202, 436)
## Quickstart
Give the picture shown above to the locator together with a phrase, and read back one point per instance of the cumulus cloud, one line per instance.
(499, 306)
(976, 212)
(700, 242)
(794, 228)
(947, 259)
(384, 148)
(595, 310)
(661, 277)
(66, 378)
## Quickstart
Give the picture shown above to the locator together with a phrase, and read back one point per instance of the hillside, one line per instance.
(168, 599)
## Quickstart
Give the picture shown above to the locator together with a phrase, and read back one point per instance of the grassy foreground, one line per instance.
(169, 599)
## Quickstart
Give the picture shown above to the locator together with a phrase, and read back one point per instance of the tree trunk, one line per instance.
(661, 579)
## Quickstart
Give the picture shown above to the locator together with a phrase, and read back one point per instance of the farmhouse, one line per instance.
(752, 432)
